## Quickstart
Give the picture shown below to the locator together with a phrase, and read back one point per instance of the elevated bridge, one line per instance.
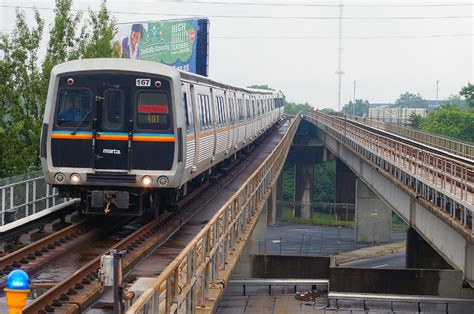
(425, 179)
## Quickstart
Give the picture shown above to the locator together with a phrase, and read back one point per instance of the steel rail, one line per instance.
(55, 242)
(205, 263)
(83, 286)
(62, 292)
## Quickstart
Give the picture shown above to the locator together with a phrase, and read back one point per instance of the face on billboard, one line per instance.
(135, 38)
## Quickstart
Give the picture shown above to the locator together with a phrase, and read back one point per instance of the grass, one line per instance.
(325, 219)
(322, 219)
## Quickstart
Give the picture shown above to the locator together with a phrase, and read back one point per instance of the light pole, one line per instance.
(353, 106)
(339, 68)
(437, 92)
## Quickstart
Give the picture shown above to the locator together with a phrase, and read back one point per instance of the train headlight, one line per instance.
(59, 177)
(75, 178)
(163, 180)
(147, 180)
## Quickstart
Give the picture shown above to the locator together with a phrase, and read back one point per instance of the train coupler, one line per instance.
(119, 199)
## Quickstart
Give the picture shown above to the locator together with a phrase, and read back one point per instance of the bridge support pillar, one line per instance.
(373, 217)
(257, 240)
(419, 254)
(345, 183)
(272, 207)
(303, 190)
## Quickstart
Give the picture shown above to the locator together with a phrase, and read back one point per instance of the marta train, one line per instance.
(128, 135)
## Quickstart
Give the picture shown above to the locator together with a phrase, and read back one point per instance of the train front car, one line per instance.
(110, 134)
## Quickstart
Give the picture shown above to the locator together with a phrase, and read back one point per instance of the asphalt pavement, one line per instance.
(389, 261)
(288, 238)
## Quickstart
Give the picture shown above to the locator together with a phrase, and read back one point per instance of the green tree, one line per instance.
(414, 120)
(358, 107)
(455, 100)
(24, 83)
(293, 108)
(324, 182)
(409, 100)
(468, 93)
(21, 97)
(328, 110)
(451, 121)
(64, 42)
(96, 42)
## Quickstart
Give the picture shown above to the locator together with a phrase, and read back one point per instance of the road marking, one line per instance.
(378, 266)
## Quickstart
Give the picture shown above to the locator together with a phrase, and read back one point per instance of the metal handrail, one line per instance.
(448, 176)
(203, 261)
(451, 145)
(26, 198)
(397, 297)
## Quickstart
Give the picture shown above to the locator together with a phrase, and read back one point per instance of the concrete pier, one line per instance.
(373, 216)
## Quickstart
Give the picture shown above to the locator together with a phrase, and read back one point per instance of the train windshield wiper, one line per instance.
(79, 124)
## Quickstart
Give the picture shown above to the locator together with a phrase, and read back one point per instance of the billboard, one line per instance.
(182, 44)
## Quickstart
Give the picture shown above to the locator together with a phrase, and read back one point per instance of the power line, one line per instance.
(261, 16)
(283, 4)
(345, 38)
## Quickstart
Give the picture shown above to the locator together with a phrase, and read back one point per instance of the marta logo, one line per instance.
(111, 151)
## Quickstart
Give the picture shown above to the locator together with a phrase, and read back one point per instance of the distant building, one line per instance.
(395, 115)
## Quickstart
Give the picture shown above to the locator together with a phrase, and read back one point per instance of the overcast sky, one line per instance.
(294, 47)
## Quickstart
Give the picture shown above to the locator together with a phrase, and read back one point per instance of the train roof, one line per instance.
(122, 64)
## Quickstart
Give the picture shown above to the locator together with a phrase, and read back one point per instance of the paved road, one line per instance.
(391, 261)
(289, 238)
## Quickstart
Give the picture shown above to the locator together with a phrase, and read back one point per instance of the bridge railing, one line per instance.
(450, 145)
(25, 195)
(186, 282)
(445, 182)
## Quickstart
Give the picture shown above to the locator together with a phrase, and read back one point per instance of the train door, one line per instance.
(112, 129)
(230, 120)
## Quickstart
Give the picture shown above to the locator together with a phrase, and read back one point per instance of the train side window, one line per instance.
(208, 112)
(74, 108)
(202, 112)
(247, 106)
(240, 110)
(188, 112)
(218, 110)
(231, 111)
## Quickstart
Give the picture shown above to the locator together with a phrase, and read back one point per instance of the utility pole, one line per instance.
(353, 106)
(354, 90)
(437, 92)
(339, 69)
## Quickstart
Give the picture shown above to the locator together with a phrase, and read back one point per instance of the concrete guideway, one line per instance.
(434, 194)
(197, 277)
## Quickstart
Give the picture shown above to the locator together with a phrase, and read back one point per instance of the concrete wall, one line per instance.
(446, 283)
(279, 266)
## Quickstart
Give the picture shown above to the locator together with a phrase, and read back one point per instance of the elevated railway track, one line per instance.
(83, 287)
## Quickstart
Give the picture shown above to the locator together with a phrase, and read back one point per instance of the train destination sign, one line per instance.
(182, 43)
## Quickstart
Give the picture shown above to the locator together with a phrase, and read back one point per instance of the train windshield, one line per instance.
(74, 107)
(153, 112)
